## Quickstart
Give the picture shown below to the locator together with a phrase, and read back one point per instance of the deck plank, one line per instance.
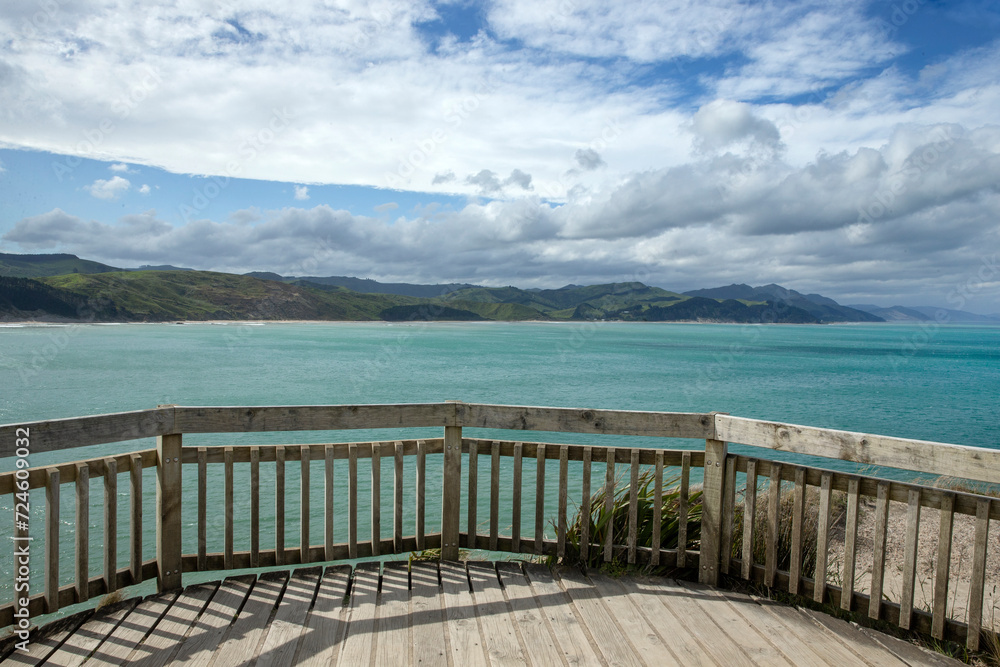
(393, 624)
(242, 641)
(200, 644)
(574, 639)
(873, 651)
(284, 631)
(47, 639)
(464, 637)
(667, 626)
(88, 637)
(131, 631)
(536, 636)
(611, 639)
(163, 642)
(359, 638)
(827, 644)
(696, 619)
(502, 643)
(641, 634)
(324, 628)
(430, 646)
(768, 642)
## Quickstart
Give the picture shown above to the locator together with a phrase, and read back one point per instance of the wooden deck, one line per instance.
(480, 613)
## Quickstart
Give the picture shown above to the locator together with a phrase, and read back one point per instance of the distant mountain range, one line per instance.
(926, 314)
(65, 287)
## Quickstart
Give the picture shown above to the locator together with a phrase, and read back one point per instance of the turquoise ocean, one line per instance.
(929, 382)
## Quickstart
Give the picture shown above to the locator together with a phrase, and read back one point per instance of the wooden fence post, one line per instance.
(451, 497)
(168, 511)
(711, 510)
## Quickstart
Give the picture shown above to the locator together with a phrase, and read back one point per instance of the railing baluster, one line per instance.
(515, 519)
(111, 524)
(728, 512)
(749, 516)
(561, 521)
(279, 505)
(910, 557)
(773, 509)
(451, 496)
(254, 506)
(657, 539)
(352, 501)
(304, 505)
(633, 505)
(850, 542)
(473, 494)
(328, 502)
(169, 499)
(609, 499)
(82, 532)
(977, 581)
(539, 499)
(202, 509)
(588, 454)
(798, 519)
(822, 536)
(712, 502)
(51, 541)
(682, 510)
(135, 524)
(397, 509)
(421, 484)
(376, 517)
(494, 495)
(227, 464)
(943, 565)
(878, 558)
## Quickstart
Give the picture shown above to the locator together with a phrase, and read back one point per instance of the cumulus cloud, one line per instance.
(486, 181)
(723, 123)
(588, 159)
(122, 168)
(144, 190)
(520, 179)
(301, 192)
(108, 189)
(446, 177)
(388, 206)
(910, 219)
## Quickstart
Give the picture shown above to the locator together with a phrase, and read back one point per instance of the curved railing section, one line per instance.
(744, 515)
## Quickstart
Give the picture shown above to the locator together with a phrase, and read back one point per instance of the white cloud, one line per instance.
(909, 221)
(410, 114)
(301, 192)
(386, 207)
(108, 189)
(122, 168)
(144, 189)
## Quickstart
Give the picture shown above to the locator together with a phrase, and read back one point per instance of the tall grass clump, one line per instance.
(601, 521)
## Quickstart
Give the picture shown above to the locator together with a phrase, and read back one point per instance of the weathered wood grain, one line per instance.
(54, 434)
(581, 420)
(208, 631)
(500, 635)
(393, 623)
(464, 636)
(426, 615)
(159, 647)
(279, 645)
(572, 637)
(936, 458)
(359, 637)
(323, 630)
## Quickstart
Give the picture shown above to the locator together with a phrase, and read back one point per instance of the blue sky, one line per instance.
(847, 148)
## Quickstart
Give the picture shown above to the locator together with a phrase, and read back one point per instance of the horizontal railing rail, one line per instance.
(225, 507)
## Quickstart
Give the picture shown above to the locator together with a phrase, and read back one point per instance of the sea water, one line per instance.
(929, 382)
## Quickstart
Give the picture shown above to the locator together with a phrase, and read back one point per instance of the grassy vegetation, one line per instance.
(38, 266)
(616, 521)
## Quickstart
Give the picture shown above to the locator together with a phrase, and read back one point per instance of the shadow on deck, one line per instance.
(479, 613)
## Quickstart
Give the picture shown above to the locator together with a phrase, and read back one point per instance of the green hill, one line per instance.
(204, 295)
(27, 299)
(39, 266)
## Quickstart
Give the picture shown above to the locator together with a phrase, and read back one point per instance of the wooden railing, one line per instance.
(456, 492)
